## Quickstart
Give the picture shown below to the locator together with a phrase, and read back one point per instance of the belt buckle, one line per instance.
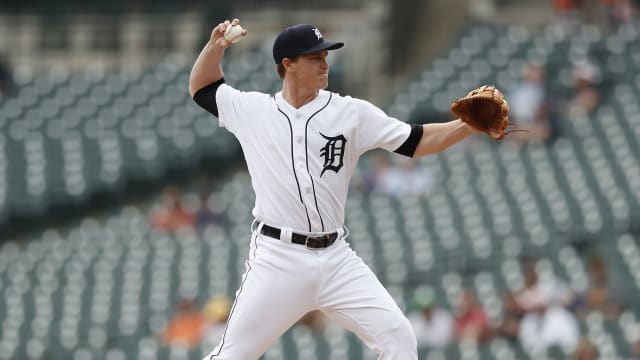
(311, 241)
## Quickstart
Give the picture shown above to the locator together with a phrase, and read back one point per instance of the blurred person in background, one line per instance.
(373, 168)
(187, 325)
(216, 312)
(170, 215)
(8, 86)
(433, 325)
(585, 350)
(532, 107)
(547, 325)
(301, 146)
(406, 178)
(208, 213)
(620, 12)
(567, 13)
(516, 305)
(635, 349)
(471, 322)
(603, 294)
(585, 96)
(550, 287)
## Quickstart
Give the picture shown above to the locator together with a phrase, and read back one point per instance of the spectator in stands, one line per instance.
(433, 325)
(567, 14)
(373, 170)
(548, 325)
(585, 97)
(406, 178)
(171, 215)
(516, 305)
(635, 349)
(620, 12)
(603, 295)
(550, 288)
(216, 313)
(7, 84)
(470, 319)
(531, 107)
(585, 351)
(208, 213)
(186, 327)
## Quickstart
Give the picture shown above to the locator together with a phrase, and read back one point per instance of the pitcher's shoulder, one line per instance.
(246, 94)
(342, 100)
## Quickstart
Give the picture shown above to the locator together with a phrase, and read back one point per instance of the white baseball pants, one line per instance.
(284, 281)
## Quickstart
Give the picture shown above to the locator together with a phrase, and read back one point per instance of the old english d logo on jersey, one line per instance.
(333, 152)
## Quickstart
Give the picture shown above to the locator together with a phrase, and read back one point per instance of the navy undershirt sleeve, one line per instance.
(410, 145)
(206, 97)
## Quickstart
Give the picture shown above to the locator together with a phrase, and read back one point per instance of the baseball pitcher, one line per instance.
(301, 146)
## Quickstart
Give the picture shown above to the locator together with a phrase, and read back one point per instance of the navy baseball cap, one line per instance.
(299, 40)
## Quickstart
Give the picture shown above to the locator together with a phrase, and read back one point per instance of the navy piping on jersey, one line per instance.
(306, 147)
(293, 166)
(246, 275)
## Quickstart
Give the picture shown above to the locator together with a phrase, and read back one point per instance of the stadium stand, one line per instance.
(104, 288)
(67, 136)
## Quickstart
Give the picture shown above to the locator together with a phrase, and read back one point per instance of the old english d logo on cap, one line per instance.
(317, 32)
(299, 40)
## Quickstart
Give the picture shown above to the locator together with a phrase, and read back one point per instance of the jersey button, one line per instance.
(299, 139)
(308, 190)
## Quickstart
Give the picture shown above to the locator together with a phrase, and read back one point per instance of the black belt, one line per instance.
(312, 242)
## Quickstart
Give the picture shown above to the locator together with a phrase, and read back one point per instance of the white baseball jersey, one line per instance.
(301, 160)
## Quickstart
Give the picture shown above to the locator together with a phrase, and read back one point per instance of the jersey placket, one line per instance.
(300, 159)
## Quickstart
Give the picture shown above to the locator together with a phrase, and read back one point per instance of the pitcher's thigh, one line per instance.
(362, 305)
(265, 307)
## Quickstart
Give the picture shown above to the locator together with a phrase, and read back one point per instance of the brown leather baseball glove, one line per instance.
(486, 110)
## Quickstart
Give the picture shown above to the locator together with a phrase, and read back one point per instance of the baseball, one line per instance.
(233, 34)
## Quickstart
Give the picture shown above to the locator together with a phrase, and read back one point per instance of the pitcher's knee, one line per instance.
(399, 340)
